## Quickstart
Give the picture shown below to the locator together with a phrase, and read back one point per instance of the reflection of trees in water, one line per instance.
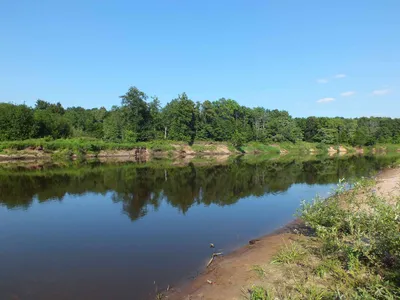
(139, 188)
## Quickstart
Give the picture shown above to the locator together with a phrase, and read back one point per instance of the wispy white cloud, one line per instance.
(347, 94)
(340, 75)
(325, 100)
(322, 80)
(381, 92)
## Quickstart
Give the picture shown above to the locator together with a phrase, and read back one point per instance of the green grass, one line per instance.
(390, 148)
(289, 254)
(260, 293)
(93, 146)
(299, 147)
(254, 147)
(259, 270)
(359, 242)
(84, 145)
(275, 148)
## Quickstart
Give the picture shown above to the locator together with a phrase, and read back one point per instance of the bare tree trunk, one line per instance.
(165, 132)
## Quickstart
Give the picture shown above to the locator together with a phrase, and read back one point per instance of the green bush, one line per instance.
(361, 238)
(253, 147)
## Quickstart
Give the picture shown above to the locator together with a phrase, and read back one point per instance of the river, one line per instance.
(128, 230)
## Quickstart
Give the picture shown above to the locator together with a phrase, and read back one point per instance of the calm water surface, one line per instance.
(121, 231)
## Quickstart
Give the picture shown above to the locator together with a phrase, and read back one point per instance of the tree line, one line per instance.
(140, 118)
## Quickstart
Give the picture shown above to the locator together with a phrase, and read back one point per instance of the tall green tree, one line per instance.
(16, 122)
(136, 115)
(156, 124)
(113, 125)
(50, 120)
(179, 116)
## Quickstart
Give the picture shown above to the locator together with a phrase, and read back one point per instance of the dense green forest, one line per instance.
(140, 118)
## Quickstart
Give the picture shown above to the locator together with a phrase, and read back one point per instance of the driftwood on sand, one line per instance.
(212, 258)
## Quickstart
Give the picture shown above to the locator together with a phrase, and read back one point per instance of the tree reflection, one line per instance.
(139, 187)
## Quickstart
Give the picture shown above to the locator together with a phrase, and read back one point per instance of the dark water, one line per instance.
(122, 231)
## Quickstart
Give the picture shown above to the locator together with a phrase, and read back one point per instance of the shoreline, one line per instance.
(266, 245)
(227, 276)
(21, 151)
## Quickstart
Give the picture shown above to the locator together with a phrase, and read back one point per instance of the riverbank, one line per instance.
(42, 149)
(349, 250)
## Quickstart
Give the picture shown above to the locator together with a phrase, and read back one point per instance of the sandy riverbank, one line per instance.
(228, 277)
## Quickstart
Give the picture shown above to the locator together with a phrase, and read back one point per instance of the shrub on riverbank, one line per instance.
(256, 147)
(353, 253)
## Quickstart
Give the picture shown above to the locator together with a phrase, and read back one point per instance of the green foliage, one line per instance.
(238, 139)
(86, 122)
(135, 115)
(51, 124)
(113, 126)
(83, 145)
(255, 147)
(298, 147)
(138, 120)
(289, 254)
(259, 270)
(260, 293)
(179, 119)
(160, 146)
(15, 122)
(352, 250)
(361, 239)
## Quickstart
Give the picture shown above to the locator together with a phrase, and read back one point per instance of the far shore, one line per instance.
(70, 149)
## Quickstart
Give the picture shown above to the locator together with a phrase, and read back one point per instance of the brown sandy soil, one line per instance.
(24, 154)
(25, 161)
(209, 149)
(220, 149)
(143, 153)
(283, 152)
(183, 150)
(342, 149)
(332, 151)
(359, 150)
(125, 155)
(230, 274)
(389, 183)
(228, 277)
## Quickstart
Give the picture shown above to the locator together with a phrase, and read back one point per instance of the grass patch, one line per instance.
(299, 147)
(260, 293)
(289, 254)
(84, 145)
(160, 146)
(389, 148)
(203, 148)
(256, 147)
(259, 270)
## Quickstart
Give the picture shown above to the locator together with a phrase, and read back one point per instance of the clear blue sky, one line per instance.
(277, 54)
